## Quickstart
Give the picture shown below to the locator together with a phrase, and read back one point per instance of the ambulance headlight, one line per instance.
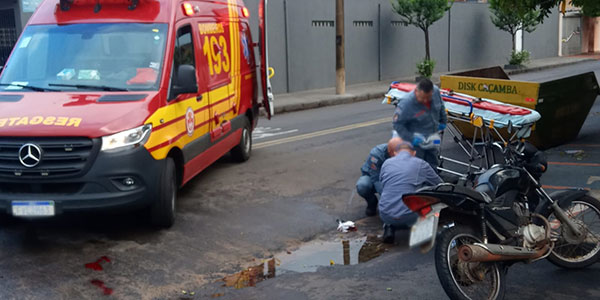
(127, 139)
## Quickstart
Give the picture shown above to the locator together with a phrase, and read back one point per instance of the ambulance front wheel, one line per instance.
(241, 152)
(162, 211)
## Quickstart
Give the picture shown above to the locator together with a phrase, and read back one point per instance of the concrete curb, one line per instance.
(330, 100)
(540, 68)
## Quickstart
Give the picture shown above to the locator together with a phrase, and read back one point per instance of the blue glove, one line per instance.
(417, 141)
(441, 127)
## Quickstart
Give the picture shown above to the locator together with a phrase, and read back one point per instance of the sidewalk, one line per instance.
(373, 90)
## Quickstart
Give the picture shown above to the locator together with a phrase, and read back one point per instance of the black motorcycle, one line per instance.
(505, 218)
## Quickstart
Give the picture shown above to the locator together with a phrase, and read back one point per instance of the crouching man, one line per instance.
(368, 184)
(401, 174)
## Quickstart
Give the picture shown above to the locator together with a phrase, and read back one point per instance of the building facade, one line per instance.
(13, 17)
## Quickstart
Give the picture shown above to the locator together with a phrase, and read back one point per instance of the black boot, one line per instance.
(371, 210)
(388, 234)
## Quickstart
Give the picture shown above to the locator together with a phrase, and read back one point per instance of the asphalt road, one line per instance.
(227, 216)
(408, 274)
(299, 180)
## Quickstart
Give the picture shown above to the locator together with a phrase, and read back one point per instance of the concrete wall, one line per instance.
(596, 35)
(402, 47)
(302, 41)
(572, 28)
(362, 41)
(543, 42)
(475, 41)
(311, 46)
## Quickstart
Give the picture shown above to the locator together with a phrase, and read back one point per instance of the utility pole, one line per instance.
(340, 68)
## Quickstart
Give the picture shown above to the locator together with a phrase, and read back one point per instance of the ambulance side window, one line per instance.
(183, 54)
(248, 50)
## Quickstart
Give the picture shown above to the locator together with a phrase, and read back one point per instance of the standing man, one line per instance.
(401, 174)
(421, 111)
(368, 184)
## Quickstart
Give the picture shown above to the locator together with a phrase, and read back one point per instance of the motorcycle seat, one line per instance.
(459, 189)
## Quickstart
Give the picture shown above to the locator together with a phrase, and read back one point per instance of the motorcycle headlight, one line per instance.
(127, 139)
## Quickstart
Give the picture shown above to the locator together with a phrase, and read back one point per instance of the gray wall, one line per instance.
(378, 48)
(402, 46)
(311, 49)
(572, 24)
(543, 42)
(302, 41)
(362, 41)
(475, 41)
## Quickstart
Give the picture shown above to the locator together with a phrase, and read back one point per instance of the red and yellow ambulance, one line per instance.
(114, 104)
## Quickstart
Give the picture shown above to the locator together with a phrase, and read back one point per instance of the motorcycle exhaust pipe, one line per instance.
(494, 252)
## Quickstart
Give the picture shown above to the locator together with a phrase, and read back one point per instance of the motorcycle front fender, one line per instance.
(564, 199)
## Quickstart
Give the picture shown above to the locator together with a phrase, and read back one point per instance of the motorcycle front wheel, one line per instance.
(462, 280)
(576, 252)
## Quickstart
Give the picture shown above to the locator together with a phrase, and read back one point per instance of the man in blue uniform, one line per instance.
(401, 174)
(419, 114)
(368, 184)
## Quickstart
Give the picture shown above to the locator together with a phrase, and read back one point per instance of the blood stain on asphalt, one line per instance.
(100, 284)
(96, 266)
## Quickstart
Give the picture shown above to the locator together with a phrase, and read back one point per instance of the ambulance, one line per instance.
(112, 105)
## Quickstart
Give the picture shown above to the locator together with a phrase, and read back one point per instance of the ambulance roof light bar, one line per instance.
(189, 9)
(65, 5)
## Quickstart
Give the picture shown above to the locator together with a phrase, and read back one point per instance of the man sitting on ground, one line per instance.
(401, 174)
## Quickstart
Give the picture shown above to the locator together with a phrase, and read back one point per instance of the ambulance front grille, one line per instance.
(60, 157)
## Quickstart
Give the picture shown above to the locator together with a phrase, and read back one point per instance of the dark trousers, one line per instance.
(431, 156)
(366, 189)
(403, 222)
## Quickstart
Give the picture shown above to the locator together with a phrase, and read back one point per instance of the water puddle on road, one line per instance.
(309, 257)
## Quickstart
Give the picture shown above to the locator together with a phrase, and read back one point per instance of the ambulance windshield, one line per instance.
(96, 57)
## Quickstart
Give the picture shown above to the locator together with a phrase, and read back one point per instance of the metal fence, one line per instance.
(8, 34)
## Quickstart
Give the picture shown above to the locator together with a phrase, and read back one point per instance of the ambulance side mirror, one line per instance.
(186, 81)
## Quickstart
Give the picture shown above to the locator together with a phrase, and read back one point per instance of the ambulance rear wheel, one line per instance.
(241, 152)
(162, 211)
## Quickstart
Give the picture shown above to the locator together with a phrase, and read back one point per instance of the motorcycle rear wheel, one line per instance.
(466, 281)
(570, 252)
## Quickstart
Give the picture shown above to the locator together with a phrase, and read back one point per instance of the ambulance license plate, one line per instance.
(33, 208)
(423, 231)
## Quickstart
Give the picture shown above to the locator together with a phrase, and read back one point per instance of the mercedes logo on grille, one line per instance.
(30, 155)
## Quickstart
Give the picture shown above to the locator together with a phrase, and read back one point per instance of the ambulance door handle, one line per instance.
(226, 126)
(199, 98)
